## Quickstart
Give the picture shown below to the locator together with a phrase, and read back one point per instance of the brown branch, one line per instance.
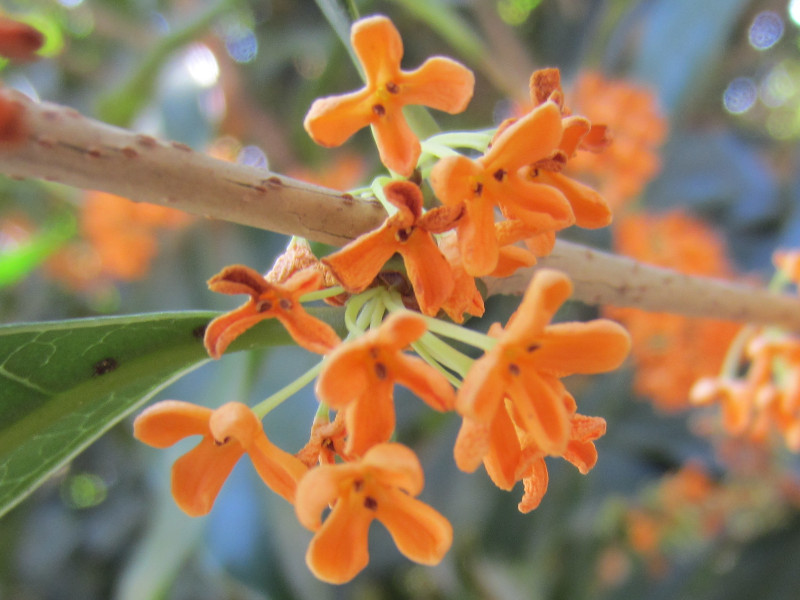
(64, 146)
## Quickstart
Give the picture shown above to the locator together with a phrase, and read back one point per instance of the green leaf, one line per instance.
(63, 384)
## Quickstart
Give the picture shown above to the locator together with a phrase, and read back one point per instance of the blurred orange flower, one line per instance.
(671, 352)
(637, 128)
(19, 41)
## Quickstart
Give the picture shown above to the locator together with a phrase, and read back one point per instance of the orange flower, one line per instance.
(326, 441)
(267, 300)
(408, 232)
(19, 41)
(530, 356)
(509, 454)
(496, 179)
(358, 378)
(439, 83)
(632, 114)
(228, 432)
(381, 486)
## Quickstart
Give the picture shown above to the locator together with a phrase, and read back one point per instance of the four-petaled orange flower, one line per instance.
(358, 378)
(498, 179)
(382, 486)
(440, 83)
(408, 232)
(529, 357)
(268, 300)
(228, 432)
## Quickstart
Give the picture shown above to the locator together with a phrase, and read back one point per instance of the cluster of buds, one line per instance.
(516, 411)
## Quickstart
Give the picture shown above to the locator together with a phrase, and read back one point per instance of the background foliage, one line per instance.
(235, 77)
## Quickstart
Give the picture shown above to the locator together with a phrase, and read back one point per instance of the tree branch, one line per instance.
(64, 146)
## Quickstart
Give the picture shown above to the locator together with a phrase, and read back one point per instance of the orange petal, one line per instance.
(581, 454)
(428, 271)
(338, 550)
(420, 532)
(359, 262)
(279, 470)
(545, 294)
(504, 456)
(343, 377)
(398, 146)
(472, 444)
(319, 488)
(332, 120)
(236, 421)
(539, 207)
(198, 475)
(592, 347)
(531, 138)
(379, 48)
(575, 128)
(309, 332)
(397, 465)
(590, 208)
(477, 241)
(169, 421)
(239, 279)
(223, 330)
(439, 83)
(425, 381)
(453, 179)
(369, 419)
(535, 482)
(481, 394)
(512, 258)
(538, 409)
(400, 329)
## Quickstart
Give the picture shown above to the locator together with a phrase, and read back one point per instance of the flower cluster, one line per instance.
(758, 389)
(515, 408)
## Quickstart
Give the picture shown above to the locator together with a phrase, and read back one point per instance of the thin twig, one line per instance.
(64, 146)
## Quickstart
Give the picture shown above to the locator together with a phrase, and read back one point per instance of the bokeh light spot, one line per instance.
(794, 11)
(778, 86)
(202, 65)
(242, 45)
(253, 156)
(765, 30)
(84, 491)
(740, 95)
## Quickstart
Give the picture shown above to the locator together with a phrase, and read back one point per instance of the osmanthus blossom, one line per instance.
(358, 378)
(228, 433)
(409, 232)
(496, 179)
(268, 300)
(382, 485)
(527, 361)
(439, 83)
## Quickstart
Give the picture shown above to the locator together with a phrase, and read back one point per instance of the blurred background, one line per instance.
(703, 101)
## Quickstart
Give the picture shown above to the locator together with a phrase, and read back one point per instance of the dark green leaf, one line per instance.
(63, 384)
